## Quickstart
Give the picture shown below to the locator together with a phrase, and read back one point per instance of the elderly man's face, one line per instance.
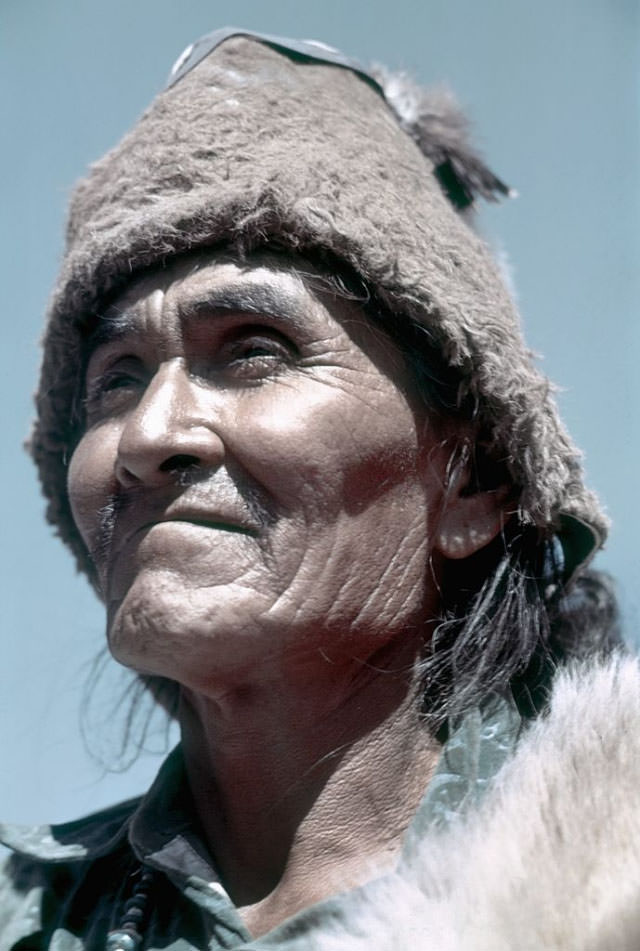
(254, 483)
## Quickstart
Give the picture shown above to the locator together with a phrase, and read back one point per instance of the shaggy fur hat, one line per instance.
(264, 142)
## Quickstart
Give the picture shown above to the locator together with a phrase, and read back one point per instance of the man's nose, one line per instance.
(171, 429)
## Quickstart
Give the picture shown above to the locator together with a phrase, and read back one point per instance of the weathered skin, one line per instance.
(263, 497)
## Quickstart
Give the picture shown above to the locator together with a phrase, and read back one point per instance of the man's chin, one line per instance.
(143, 618)
(163, 626)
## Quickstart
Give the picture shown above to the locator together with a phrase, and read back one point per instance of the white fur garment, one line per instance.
(551, 860)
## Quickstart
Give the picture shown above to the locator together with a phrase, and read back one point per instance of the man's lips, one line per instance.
(130, 520)
(216, 521)
(212, 522)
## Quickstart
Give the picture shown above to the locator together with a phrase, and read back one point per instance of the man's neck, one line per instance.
(303, 792)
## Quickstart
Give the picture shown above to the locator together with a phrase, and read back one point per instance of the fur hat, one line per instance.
(269, 142)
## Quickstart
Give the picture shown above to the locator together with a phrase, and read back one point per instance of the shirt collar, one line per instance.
(163, 830)
(81, 840)
(159, 826)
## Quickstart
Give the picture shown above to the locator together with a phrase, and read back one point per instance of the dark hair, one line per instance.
(506, 620)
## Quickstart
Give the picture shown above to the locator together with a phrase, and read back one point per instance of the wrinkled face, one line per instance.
(254, 483)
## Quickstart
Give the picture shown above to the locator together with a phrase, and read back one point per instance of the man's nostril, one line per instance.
(179, 462)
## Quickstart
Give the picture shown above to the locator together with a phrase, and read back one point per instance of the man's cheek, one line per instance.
(88, 488)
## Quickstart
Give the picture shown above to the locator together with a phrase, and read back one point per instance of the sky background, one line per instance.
(553, 90)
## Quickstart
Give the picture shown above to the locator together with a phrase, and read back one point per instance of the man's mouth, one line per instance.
(214, 523)
(125, 518)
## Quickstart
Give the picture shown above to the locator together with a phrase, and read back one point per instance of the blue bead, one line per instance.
(122, 941)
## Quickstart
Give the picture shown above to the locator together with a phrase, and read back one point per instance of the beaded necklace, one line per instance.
(129, 934)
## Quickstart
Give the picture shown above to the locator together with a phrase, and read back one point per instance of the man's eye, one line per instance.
(110, 391)
(255, 356)
(258, 350)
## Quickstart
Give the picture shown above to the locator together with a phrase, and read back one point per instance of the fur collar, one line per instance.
(549, 862)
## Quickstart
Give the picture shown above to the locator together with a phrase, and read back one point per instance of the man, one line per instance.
(289, 428)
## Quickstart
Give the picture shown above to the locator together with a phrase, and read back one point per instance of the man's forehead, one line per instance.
(188, 272)
(202, 285)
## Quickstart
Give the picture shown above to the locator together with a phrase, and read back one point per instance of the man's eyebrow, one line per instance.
(112, 325)
(261, 300)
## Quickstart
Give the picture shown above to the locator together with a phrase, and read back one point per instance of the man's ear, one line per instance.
(470, 519)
